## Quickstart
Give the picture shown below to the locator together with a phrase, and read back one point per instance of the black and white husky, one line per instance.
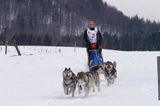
(69, 81)
(88, 80)
(110, 72)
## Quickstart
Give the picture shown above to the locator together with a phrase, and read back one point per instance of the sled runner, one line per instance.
(95, 58)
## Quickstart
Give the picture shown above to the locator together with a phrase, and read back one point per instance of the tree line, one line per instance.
(62, 22)
(126, 42)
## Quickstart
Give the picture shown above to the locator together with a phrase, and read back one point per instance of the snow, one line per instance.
(35, 78)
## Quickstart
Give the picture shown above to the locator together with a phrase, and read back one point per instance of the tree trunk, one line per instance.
(17, 49)
(6, 43)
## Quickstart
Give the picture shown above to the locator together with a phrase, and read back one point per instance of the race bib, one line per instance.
(92, 35)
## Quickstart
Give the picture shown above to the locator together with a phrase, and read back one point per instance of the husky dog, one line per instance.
(86, 80)
(95, 71)
(110, 72)
(69, 81)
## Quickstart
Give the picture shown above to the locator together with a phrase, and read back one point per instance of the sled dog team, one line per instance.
(85, 81)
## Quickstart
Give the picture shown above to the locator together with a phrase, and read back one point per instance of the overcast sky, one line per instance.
(148, 9)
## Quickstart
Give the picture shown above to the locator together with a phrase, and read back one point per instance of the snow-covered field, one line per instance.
(35, 78)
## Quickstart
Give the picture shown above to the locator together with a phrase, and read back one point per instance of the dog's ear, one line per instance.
(114, 64)
(107, 62)
(64, 71)
(69, 68)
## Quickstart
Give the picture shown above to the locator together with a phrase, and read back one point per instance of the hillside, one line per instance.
(35, 22)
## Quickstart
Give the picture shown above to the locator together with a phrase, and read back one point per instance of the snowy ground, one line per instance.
(35, 78)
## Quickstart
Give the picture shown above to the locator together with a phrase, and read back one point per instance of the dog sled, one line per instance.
(95, 58)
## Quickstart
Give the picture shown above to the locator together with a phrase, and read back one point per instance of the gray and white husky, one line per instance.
(69, 81)
(110, 72)
(88, 80)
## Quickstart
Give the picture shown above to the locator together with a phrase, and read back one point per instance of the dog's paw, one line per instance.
(93, 90)
(99, 89)
(114, 64)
